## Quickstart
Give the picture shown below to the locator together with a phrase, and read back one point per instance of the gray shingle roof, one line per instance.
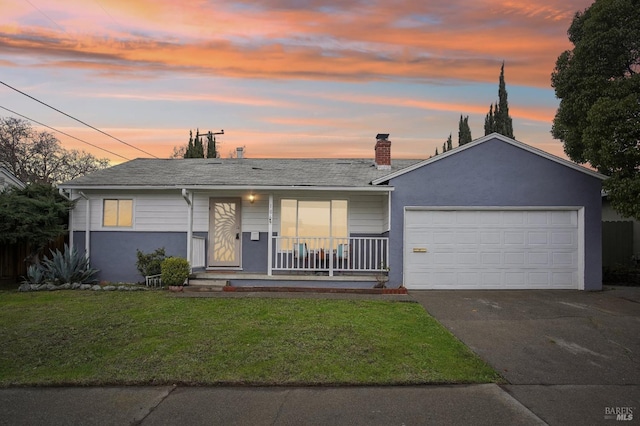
(238, 172)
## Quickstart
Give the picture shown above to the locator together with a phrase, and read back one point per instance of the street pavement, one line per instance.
(569, 358)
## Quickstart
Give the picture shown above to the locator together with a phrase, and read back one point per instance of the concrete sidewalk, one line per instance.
(438, 405)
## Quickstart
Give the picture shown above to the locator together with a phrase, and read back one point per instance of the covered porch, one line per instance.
(255, 235)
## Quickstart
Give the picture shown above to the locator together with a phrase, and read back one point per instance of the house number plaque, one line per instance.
(419, 250)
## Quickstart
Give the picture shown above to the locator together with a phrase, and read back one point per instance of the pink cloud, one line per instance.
(465, 42)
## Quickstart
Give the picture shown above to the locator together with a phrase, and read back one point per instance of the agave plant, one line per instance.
(37, 274)
(68, 266)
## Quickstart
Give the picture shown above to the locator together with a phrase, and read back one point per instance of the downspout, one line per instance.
(188, 197)
(87, 231)
(270, 238)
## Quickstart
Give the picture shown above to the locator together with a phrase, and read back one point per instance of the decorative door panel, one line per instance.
(224, 232)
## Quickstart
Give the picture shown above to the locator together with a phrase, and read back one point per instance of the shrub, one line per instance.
(67, 267)
(150, 264)
(175, 271)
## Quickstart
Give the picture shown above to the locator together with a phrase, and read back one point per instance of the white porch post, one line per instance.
(188, 197)
(270, 238)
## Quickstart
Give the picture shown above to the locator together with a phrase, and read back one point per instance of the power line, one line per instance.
(45, 15)
(78, 120)
(66, 134)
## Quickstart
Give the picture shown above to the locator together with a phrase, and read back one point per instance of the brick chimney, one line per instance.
(383, 151)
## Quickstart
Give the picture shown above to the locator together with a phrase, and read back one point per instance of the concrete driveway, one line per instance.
(569, 356)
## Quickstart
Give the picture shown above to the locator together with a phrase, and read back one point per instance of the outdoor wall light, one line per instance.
(252, 198)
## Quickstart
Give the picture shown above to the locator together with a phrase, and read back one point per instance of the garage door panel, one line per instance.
(538, 258)
(537, 218)
(491, 258)
(537, 238)
(492, 249)
(562, 239)
(514, 238)
(513, 258)
(564, 218)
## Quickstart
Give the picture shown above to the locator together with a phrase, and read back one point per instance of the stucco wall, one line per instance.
(495, 173)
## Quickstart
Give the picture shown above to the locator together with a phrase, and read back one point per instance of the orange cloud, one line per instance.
(277, 41)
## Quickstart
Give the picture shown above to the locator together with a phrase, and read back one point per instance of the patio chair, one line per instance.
(300, 254)
(342, 255)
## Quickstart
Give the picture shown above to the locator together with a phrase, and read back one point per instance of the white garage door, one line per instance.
(491, 249)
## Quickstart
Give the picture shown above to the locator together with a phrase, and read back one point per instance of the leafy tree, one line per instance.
(179, 152)
(34, 215)
(498, 118)
(464, 131)
(598, 84)
(38, 157)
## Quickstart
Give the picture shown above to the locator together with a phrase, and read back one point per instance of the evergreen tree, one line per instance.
(189, 151)
(498, 119)
(489, 122)
(436, 151)
(444, 147)
(449, 143)
(464, 131)
(211, 146)
(198, 148)
(504, 124)
(34, 215)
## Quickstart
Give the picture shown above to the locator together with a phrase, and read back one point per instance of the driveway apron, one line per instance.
(569, 356)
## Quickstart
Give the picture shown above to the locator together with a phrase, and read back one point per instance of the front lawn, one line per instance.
(94, 338)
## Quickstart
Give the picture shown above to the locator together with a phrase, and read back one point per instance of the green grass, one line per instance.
(109, 338)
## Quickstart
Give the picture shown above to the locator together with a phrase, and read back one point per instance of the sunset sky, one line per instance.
(284, 78)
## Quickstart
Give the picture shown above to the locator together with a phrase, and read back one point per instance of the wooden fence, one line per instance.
(13, 259)
(617, 243)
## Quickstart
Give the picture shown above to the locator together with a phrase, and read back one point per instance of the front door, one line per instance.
(224, 232)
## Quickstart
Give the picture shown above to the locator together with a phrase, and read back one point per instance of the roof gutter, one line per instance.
(380, 188)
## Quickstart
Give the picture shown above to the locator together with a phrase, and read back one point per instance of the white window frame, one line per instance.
(117, 226)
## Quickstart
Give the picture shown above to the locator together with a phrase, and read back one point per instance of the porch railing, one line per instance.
(349, 254)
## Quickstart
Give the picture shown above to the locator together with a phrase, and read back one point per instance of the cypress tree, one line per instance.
(504, 124)
(199, 148)
(211, 146)
(489, 122)
(498, 119)
(464, 131)
(189, 151)
(449, 143)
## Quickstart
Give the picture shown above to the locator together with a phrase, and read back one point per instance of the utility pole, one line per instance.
(211, 142)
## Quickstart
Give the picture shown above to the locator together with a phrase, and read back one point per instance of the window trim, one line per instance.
(117, 226)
